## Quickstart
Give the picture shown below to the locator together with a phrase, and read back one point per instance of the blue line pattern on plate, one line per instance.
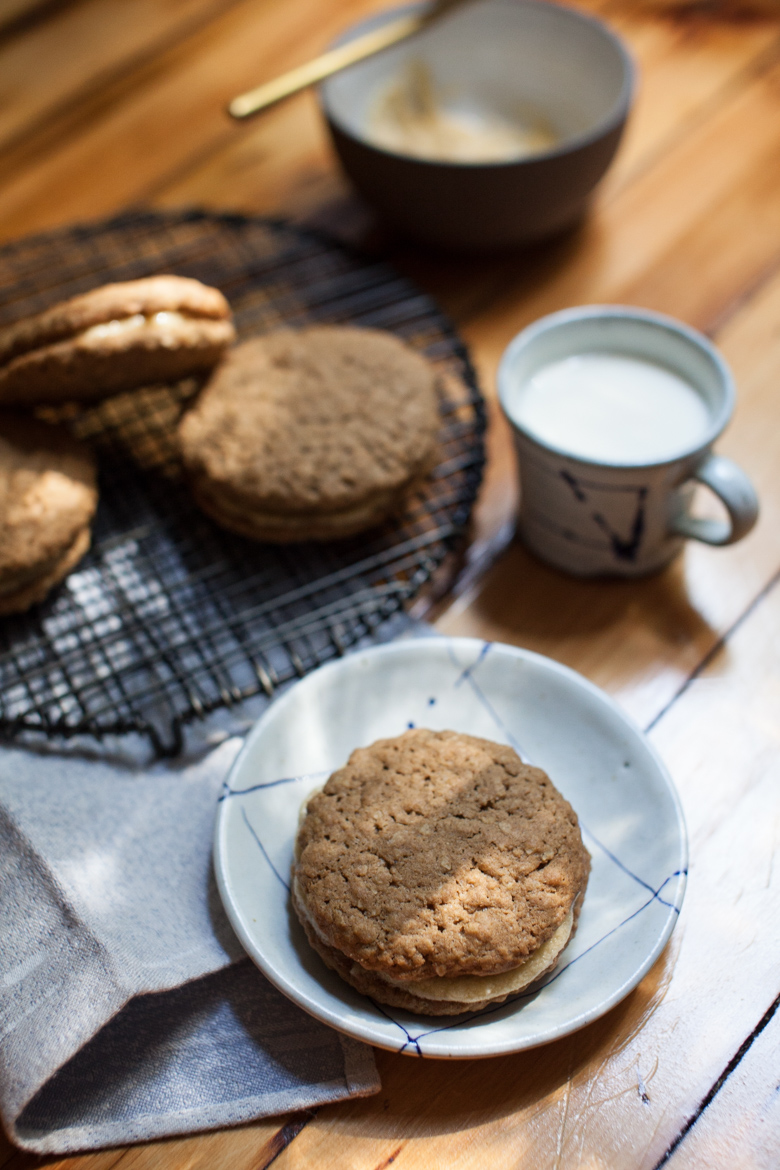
(467, 1017)
(630, 872)
(467, 675)
(263, 850)
(410, 1040)
(413, 1040)
(227, 791)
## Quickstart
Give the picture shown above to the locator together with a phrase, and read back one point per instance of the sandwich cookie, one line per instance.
(48, 496)
(437, 873)
(311, 435)
(114, 338)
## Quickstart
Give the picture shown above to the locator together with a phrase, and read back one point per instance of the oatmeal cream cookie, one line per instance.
(114, 338)
(48, 497)
(311, 435)
(438, 873)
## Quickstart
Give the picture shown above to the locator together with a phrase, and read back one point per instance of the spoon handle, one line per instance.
(323, 66)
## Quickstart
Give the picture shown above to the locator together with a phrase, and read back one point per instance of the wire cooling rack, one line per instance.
(168, 616)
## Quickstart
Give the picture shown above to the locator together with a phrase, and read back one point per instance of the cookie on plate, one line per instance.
(114, 338)
(311, 435)
(48, 497)
(437, 873)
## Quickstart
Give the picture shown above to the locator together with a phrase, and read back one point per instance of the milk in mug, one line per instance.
(614, 411)
(610, 408)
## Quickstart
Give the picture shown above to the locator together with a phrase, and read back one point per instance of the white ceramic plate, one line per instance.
(630, 815)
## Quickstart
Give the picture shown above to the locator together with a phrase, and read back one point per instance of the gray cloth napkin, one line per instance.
(127, 1008)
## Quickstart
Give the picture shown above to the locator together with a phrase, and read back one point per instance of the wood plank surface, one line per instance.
(55, 65)
(641, 639)
(14, 12)
(149, 125)
(617, 1093)
(706, 67)
(741, 1127)
(105, 105)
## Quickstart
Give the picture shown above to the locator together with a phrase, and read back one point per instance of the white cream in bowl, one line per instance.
(411, 114)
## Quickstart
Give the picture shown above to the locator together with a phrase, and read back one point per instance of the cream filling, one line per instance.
(303, 909)
(458, 988)
(122, 325)
(302, 521)
(301, 818)
(463, 988)
(472, 988)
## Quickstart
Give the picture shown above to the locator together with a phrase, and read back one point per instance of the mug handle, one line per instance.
(734, 489)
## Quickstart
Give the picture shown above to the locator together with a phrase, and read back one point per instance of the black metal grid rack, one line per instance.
(169, 617)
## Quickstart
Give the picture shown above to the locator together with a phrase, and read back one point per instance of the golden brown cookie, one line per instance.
(438, 873)
(48, 496)
(311, 435)
(39, 588)
(442, 997)
(114, 338)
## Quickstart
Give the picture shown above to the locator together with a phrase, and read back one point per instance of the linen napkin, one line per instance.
(127, 1008)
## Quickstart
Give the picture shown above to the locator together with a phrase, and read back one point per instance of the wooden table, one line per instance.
(107, 103)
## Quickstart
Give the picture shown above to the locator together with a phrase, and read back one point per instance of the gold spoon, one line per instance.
(331, 62)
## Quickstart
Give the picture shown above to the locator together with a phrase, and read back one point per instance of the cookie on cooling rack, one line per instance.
(311, 435)
(114, 338)
(48, 497)
(438, 873)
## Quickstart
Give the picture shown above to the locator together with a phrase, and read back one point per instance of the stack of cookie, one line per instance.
(311, 435)
(438, 873)
(113, 338)
(48, 496)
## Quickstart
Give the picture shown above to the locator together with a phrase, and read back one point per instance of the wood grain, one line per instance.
(688, 67)
(247, 1147)
(641, 639)
(14, 12)
(617, 1093)
(58, 63)
(108, 104)
(161, 117)
(740, 1128)
(706, 69)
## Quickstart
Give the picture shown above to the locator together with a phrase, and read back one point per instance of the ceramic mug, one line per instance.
(617, 516)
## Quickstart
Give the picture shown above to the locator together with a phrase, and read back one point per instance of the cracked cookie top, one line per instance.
(437, 853)
(315, 421)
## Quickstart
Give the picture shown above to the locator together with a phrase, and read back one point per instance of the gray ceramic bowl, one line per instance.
(501, 55)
